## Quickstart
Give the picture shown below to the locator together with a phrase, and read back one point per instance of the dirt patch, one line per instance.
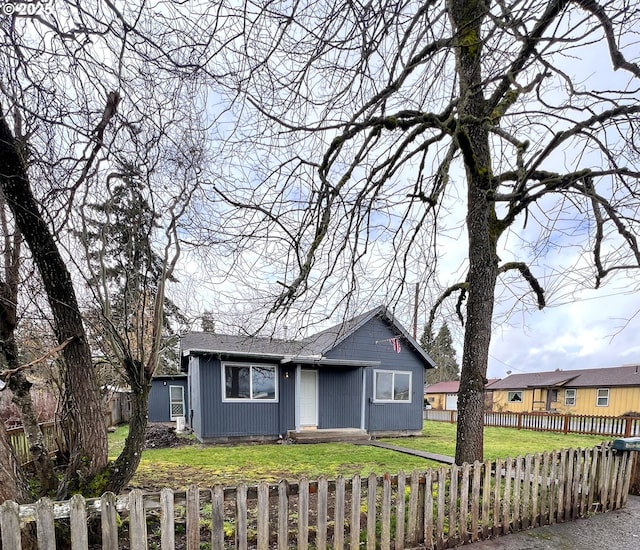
(161, 436)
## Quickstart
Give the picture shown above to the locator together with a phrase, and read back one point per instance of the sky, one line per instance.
(596, 330)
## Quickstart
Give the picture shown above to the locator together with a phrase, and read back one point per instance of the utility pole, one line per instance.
(415, 312)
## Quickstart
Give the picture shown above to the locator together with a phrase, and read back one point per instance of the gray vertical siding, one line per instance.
(369, 343)
(159, 409)
(340, 391)
(222, 419)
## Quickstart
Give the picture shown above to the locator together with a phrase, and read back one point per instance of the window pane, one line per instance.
(384, 385)
(514, 397)
(402, 387)
(237, 382)
(264, 382)
(176, 393)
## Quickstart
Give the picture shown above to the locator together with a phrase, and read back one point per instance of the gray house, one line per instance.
(366, 373)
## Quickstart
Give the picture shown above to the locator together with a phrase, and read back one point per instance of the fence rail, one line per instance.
(50, 432)
(608, 426)
(436, 508)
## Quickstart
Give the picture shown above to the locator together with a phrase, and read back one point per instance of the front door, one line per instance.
(308, 398)
(176, 402)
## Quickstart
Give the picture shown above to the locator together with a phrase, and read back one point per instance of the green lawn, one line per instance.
(207, 465)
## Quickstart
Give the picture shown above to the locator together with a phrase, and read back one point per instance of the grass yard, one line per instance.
(440, 437)
(206, 465)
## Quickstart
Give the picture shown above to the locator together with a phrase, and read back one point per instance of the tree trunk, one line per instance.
(13, 486)
(122, 470)
(84, 425)
(20, 387)
(482, 227)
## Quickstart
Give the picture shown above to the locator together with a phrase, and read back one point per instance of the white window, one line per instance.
(392, 386)
(514, 396)
(602, 398)
(569, 398)
(243, 382)
(176, 401)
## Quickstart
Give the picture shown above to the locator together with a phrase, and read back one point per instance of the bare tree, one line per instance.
(86, 89)
(379, 127)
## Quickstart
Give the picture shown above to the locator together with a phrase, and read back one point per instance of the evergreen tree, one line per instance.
(441, 351)
(125, 274)
(207, 322)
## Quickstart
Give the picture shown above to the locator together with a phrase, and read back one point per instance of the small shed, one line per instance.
(168, 398)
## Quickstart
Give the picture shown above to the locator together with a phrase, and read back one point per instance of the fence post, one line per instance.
(10, 525)
(217, 518)
(167, 519)
(354, 528)
(109, 521)
(566, 424)
(627, 426)
(519, 420)
(138, 521)
(371, 511)
(263, 516)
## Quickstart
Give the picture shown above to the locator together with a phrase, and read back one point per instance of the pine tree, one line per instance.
(442, 352)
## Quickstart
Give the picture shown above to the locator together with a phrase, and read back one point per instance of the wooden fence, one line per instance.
(607, 426)
(52, 439)
(437, 508)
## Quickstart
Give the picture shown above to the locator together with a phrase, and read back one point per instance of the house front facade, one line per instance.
(366, 373)
(612, 391)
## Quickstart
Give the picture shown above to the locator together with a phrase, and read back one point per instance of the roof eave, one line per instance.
(227, 353)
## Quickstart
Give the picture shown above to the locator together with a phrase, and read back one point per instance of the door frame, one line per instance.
(172, 402)
(298, 403)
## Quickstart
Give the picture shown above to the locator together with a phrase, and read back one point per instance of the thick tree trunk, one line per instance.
(84, 425)
(122, 470)
(482, 227)
(13, 486)
(15, 379)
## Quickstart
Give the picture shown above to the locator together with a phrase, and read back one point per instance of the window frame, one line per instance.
(567, 397)
(512, 393)
(598, 397)
(250, 366)
(393, 386)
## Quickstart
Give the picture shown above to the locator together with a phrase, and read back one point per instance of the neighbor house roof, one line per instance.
(628, 375)
(451, 386)
(312, 348)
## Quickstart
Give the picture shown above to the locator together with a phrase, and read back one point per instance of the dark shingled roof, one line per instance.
(316, 345)
(628, 375)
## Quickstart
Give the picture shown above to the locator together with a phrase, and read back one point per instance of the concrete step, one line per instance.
(343, 435)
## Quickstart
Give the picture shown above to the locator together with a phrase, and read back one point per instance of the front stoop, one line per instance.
(342, 435)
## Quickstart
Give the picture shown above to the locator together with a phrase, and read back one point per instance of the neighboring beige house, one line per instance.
(443, 396)
(613, 391)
